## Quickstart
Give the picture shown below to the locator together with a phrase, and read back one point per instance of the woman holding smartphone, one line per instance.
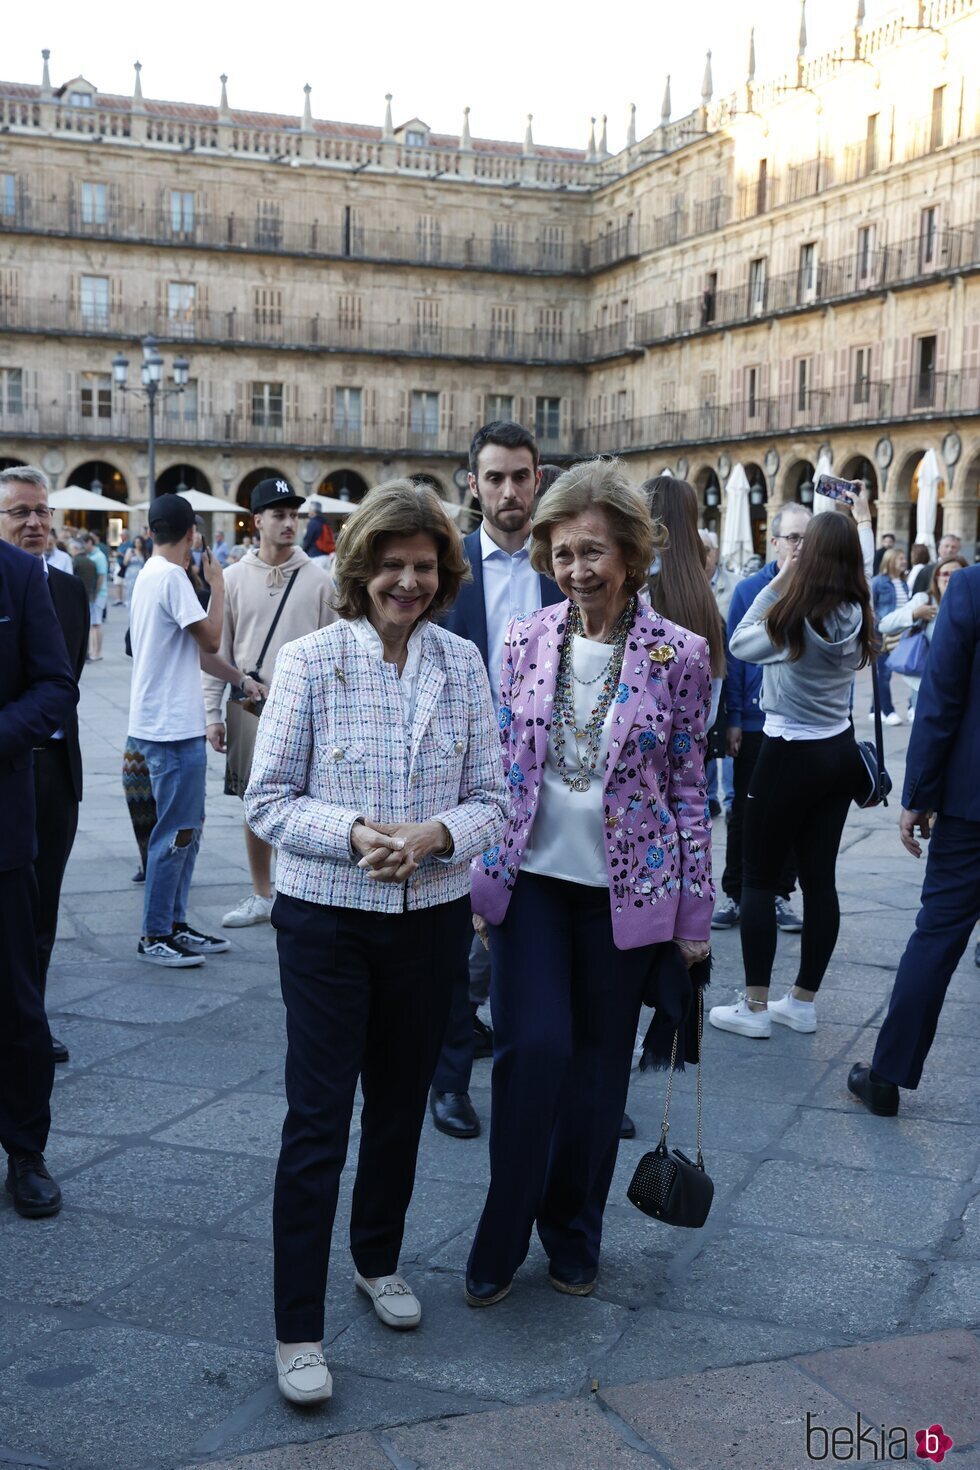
(811, 629)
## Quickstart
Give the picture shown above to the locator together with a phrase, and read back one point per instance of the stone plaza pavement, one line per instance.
(839, 1273)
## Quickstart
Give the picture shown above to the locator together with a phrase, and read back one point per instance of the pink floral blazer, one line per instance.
(657, 824)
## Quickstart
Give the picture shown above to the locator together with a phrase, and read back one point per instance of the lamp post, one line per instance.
(151, 378)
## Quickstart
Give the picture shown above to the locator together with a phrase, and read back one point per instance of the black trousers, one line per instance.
(56, 823)
(950, 908)
(799, 799)
(471, 987)
(367, 995)
(26, 1063)
(566, 1003)
(743, 766)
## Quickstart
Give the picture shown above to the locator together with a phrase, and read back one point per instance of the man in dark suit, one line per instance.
(25, 520)
(503, 476)
(941, 798)
(37, 696)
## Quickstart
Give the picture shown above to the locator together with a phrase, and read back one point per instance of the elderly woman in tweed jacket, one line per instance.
(377, 777)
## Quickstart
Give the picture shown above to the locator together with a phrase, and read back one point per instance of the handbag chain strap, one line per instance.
(665, 1126)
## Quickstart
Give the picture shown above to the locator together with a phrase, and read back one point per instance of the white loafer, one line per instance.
(394, 1300)
(305, 1379)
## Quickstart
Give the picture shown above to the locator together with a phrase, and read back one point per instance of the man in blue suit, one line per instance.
(942, 798)
(38, 695)
(503, 476)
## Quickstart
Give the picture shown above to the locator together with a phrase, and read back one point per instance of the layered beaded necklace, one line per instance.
(564, 706)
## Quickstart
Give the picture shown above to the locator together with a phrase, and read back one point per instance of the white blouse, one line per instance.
(370, 640)
(567, 837)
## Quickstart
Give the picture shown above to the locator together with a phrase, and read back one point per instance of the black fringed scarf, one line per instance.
(672, 989)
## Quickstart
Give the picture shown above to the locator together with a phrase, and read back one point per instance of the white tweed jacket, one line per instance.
(331, 747)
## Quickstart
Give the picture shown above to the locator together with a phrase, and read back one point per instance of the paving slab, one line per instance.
(353, 1452)
(661, 1343)
(242, 1122)
(167, 1185)
(562, 1436)
(107, 1105)
(148, 1003)
(74, 1257)
(903, 1145)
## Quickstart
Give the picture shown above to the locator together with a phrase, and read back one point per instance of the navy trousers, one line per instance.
(566, 1003)
(367, 995)
(26, 1062)
(950, 908)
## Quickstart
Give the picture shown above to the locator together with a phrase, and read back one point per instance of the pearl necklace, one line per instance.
(564, 704)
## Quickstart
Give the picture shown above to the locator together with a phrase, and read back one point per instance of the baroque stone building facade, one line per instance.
(784, 274)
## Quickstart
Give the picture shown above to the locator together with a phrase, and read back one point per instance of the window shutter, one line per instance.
(242, 405)
(74, 292)
(404, 408)
(565, 419)
(785, 380)
(942, 341)
(971, 347)
(876, 362)
(370, 401)
(115, 298)
(290, 402)
(447, 412)
(162, 304)
(202, 309)
(737, 384)
(71, 405)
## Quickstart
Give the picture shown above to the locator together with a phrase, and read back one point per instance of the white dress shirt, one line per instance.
(60, 560)
(511, 587)
(58, 734)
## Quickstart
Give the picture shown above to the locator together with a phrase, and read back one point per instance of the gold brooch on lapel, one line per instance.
(665, 653)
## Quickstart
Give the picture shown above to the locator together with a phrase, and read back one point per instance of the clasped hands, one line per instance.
(391, 853)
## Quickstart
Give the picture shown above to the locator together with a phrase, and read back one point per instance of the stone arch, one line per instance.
(106, 479)
(971, 493)
(182, 476)
(799, 472)
(248, 483)
(703, 480)
(423, 477)
(344, 484)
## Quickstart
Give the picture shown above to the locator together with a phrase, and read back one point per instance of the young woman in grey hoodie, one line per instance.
(811, 629)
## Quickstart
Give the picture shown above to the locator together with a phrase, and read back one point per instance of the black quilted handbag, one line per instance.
(667, 1185)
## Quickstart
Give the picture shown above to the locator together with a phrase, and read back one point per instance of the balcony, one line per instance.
(547, 348)
(889, 268)
(241, 233)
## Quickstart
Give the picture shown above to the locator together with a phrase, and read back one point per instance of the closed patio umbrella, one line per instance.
(930, 476)
(736, 530)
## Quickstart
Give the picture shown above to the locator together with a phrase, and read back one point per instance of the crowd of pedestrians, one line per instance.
(475, 770)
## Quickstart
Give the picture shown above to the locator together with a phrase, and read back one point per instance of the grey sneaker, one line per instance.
(726, 915)
(786, 920)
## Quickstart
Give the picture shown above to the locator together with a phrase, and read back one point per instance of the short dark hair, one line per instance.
(508, 434)
(549, 474)
(166, 534)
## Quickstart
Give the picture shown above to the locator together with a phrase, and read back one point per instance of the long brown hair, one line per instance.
(680, 590)
(829, 575)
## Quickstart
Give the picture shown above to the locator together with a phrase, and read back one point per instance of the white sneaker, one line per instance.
(893, 719)
(252, 910)
(394, 1300)
(801, 1015)
(740, 1019)
(305, 1379)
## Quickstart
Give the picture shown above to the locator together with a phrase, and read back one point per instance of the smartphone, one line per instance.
(835, 489)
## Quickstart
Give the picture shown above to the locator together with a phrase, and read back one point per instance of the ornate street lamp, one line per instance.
(151, 378)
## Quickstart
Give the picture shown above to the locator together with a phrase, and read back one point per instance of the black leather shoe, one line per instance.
(482, 1039)
(484, 1293)
(627, 1128)
(35, 1192)
(573, 1280)
(59, 1050)
(881, 1097)
(139, 876)
(453, 1113)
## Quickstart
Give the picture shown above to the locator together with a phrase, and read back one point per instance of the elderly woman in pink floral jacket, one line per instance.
(607, 854)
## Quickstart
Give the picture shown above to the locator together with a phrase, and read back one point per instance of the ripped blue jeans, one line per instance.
(177, 774)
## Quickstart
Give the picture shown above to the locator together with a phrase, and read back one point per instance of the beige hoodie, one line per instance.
(253, 592)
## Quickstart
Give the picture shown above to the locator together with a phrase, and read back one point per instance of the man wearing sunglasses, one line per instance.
(745, 721)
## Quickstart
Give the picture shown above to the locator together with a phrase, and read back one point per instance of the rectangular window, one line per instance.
(503, 330)
(428, 237)
(861, 378)
(267, 306)
(93, 204)
(753, 391)
(936, 126)
(802, 384)
(11, 390)
(267, 405)
(866, 252)
(709, 299)
(553, 246)
(928, 233)
(871, 144)
(425, 413)
(498, 407)
(547, 420)
(81, 99)
(757, 286)
(807, 276)
(550, 329)
(347, 414)
(350, 314)
(427, 324)
(95, 301)
(268, 225)
(502, 244)
(181, 300)
(96, 395)
(352, 231)
(8, 196)
(182, 407)
(181, 212)
(925, 374)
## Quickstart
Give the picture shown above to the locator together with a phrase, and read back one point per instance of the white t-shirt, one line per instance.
(166, 700)
(567, 839)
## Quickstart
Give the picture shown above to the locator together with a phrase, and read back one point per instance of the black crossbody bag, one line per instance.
(878, 784)
(256, 673)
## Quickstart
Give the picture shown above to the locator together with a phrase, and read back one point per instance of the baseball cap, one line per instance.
(274, 492)
(175, 511)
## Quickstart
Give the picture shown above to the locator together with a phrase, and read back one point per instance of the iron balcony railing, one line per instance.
(552, 253)
(547, 346)
(908, 262)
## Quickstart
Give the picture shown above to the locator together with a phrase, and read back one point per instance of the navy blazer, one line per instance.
(38, 694)
(944, 751)
(468, 615)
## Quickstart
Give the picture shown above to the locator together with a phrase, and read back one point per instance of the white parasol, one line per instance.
(74, 497)
(736, 530)
(201, 503)
(930, 477)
